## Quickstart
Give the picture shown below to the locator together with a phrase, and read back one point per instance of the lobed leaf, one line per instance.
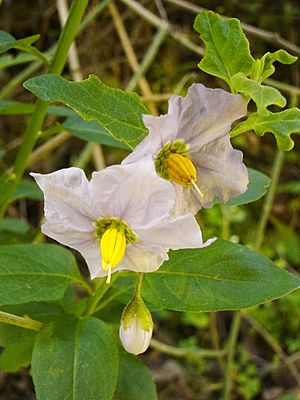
(281, 124)
(263, 67)
(120, 113)
(263, 96)
(75, 360)
(222, 276)
(36, 272)
(227, 48)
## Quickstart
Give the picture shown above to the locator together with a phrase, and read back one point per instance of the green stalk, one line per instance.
(66, 38)
(149, 57)
(24, 322)
(234, 331)
(138, 287)
(267, 207)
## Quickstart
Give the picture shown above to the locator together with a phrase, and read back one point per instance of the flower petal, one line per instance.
(140, 197)
(84, 242)
(67, 201)
(205, 115)
(139, 259)
(180, 233)
(220, 173)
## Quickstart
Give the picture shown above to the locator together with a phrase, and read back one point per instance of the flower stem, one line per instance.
(24, 322)
(234, 331)
(267, 207)
(31, 135)
(178, 352)
(101, 288)
(138, 287)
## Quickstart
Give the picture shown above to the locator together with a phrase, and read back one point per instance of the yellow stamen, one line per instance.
(181, 170)
(112, 246)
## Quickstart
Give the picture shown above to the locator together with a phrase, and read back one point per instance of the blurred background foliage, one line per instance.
(267, 363)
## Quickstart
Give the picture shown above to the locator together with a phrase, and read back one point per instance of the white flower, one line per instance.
(191, 147)
(124, 210)
(136, 327)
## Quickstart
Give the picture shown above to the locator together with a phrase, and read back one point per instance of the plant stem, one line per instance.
(267, 207)
(177, 352)
(234, 331)
(66, 38)
(101, 287)
(149, 57)
(138, 287)
(24, 322)
(7, 89)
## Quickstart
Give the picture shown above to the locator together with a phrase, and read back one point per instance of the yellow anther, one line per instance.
(112, 246)
(181, 170)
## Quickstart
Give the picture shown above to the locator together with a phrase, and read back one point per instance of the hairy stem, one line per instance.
(24, 322)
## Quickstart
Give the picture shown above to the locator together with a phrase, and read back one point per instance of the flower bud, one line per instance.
(136, 327)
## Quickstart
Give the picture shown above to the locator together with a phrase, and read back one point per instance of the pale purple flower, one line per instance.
(197, 126)
(131, 197)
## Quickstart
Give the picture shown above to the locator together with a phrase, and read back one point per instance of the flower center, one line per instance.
(114, 235)
(173, 163)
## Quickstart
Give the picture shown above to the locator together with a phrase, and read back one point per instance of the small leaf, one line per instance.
(263, 67)
(8, 42)
(28, 190)
(258, 185)
(14, 225)
(263, 96)
(281, 124)
(227, 48)
(11, 335)
(15, 357)
(120, 113)
(75, 360)
(91, 131)
(35, 273)
(10, 60)
(135, 381)
(222, 276)
(9, 107)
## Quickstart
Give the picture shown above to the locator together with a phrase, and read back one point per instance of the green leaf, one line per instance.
(15, 357)
(227, 48)
(9, 107)
(135, 380)
(35, 272)
(10, 60)
(8, 42)
(120, 113)
(11, 335)
(91, 131)
(14, 225)
(281, 124)
(222, 276)
(263, 96)
(263, 67)
(28, 190)
(258, 185)
(75, 360)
